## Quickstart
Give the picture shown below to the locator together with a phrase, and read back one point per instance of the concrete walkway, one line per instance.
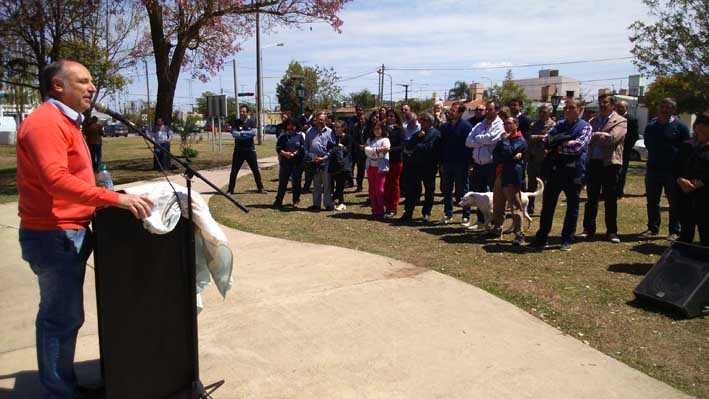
(313, 321)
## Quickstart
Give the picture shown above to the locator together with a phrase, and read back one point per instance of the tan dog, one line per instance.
(483, 202)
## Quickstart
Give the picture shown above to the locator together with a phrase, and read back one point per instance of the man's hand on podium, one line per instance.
(139, 205)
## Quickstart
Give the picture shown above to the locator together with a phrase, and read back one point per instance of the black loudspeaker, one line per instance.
(679, 280)
(145, 291)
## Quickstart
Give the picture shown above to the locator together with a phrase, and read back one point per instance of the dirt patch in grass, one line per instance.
(587, 292)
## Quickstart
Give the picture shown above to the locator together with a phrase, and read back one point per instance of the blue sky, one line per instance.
(462, 34)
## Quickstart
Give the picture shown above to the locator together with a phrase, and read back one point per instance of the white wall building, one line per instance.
(547, 84)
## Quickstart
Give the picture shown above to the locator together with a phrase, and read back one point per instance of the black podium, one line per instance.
(145, 293)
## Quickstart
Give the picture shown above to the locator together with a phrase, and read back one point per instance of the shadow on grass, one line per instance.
(656, 308)
(650, 248)
(636, 269)
(441, 231)
(464, 238)
(634, 237)
(8, 184)
(350, 216)
(505, 247)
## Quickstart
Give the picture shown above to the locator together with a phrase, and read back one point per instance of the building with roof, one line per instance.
(549, 83)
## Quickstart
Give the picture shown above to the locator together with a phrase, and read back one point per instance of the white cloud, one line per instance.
(450, 34)
(492, 64)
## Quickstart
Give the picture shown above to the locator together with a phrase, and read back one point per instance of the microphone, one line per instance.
(101, 107)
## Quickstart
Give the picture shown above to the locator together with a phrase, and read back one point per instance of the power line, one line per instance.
(511, 66)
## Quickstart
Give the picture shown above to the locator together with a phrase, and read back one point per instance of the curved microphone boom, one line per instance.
(188, 169)
(101, 107)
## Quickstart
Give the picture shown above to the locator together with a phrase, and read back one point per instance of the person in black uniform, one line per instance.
(243, 131)
(691, 173)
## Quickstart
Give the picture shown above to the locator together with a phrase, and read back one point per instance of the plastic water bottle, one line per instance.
(103, 179)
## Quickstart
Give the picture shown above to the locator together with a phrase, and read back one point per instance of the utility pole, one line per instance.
(259, 83)
(381, 85)
(236, 87)
(406, 90)
(382, 90)
(147, 83)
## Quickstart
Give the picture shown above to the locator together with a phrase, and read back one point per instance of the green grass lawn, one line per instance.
(586, 293)
(129, 159)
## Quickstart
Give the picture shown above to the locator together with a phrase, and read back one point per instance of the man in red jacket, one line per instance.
(58, 196)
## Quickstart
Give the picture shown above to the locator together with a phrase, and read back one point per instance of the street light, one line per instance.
(555, 100)
(300, 93)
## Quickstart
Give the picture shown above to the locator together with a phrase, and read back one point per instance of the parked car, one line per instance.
(226, 127)
(115, 130)
(271, 129)
(639, 151)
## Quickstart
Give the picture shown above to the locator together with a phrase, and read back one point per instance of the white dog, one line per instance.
(483, 201)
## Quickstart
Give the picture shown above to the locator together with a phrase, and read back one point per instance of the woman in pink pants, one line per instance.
(377, 165)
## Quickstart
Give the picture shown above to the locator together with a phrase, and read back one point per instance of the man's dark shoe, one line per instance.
(648, 234)
(586, 235)
(536, 245)
(359, 189)
(406, 216)
(278, 205)
(314, 208)
(612, 237)
(261, 191)
(565, 246)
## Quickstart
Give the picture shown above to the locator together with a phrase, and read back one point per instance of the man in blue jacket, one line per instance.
(454, 162)
(663, 136)
(564, 170)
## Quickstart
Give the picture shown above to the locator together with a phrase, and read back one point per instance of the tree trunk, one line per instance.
(166, 97)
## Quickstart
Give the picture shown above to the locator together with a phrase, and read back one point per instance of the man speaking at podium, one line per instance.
(58, 196)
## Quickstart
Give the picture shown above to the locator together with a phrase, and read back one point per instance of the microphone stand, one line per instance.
(197, 390)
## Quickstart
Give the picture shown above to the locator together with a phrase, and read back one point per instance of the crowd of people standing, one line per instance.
(499, 150)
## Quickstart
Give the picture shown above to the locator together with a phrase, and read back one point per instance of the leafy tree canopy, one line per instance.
(509, 90)
(201, 34)
(690, 98)
(459, 91)
(364, 97)
(675, 49)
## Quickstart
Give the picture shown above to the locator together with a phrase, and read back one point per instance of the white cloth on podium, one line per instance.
(214, 259)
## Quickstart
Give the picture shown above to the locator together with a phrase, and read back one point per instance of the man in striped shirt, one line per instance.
(564, 170)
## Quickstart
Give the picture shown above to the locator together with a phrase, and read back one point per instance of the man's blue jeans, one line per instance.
(455, 175)
(58, 258)
(653, 187)
(554, 187)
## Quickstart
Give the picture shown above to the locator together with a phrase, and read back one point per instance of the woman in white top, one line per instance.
(377, 165)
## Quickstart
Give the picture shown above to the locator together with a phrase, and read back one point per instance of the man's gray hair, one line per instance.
(429, 117)
(410, 116)
(669, 101)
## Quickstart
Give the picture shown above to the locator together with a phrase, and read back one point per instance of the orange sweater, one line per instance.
(55, 179)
